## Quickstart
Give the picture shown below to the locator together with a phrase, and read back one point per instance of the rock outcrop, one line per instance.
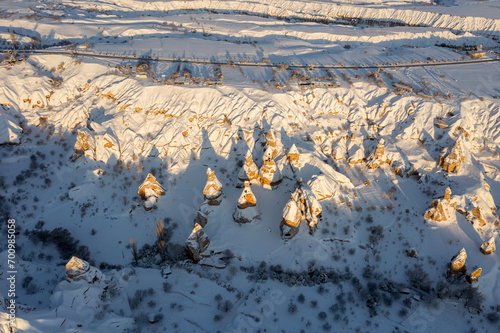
(489, 246)
(85, 145)
(269, 174)
(78, 269)
(149, 191)
(451, 161)
(197, 243)
(474, 276)
(312, 211)
(303, 205)
(291, 219)
(213, 189)
(457, 263)
(378, 157)
(294, 156)
(201, 217)
(441, 208)
(247, 210)
(249, 171)
(475, 216)
(271, 143)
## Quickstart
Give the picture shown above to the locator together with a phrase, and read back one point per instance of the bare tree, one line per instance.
(133, 246)
(160, 236)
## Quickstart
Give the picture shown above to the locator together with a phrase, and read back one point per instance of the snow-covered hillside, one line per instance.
(237, 166)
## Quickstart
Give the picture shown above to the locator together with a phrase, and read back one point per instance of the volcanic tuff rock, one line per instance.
(269, 174)
(489, 246)
(246, 210)
(457, 263)
(78, 269)
(197, 242)
(378, 157)
(272, 143)
(474, 276)
(150, 190)
(213, 189)
(441, 208)
(451, 161)
(249, 171)
(302, 205)
(294, 156)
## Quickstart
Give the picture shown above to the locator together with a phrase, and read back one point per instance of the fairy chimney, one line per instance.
(269, 174)
(150, 187)
(78, 269)
(272, 143)
(312, 212)
(213, 189)
(292, 216)
(451, 162)
(249, 171)
(488, 247)
(197, 243)
(447, 193)
(246, 210)
(293, 155)
(457, 263)
(247, 198)
(149, 191)
(378, 157)
(474, 276)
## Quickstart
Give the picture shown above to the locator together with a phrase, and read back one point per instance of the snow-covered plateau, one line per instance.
(249, 166)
